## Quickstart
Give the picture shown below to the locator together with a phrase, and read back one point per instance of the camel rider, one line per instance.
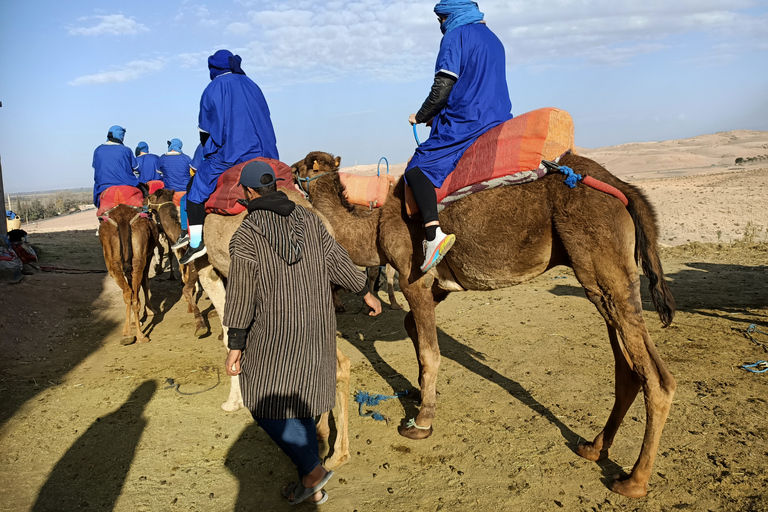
(235, 127)
(176, 167)
(149, 164)
(183, 240)
(113, 164)
(469, 96)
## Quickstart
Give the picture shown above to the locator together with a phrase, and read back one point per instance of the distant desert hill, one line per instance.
(705, 154)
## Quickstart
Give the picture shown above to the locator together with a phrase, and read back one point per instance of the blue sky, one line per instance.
(343, 76)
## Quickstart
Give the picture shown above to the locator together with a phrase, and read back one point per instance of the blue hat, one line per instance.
(143, 147)
(253, 172)
(118, 132)
(174, 145)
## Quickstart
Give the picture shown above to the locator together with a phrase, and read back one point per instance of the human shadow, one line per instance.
(262, 470)
(48, 325)
(93, 471)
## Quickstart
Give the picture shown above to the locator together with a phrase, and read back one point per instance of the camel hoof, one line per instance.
(629, 488)
(395, 306)
(414, 433)
(334, 462)
(229, 407)
(143, 340)
(200, 330)
(127, 340)
(590, 452)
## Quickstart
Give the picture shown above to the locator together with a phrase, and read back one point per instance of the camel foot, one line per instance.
(415, 433)
(200, 329)
(150, 312)
(335, 462)
(395, 306)
(158, 270)
(127, 340)
(213, 313)
(142, 340)
(590, 452)
(628, 487)
(232, 407)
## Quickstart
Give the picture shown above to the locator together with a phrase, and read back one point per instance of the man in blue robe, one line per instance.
(469, 96)
(149, 169)
(235, 126)
(175, 167)
(113, 164)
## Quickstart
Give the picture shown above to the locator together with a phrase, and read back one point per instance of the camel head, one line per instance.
(314, 164)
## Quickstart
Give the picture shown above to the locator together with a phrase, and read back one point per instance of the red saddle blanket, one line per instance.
(155, 185)
(224, 200)
(119, 194)
(508, 154)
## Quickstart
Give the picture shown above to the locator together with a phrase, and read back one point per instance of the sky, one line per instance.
(343, 76)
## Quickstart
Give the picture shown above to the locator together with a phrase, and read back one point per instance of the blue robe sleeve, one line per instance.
(211, 118)
(449, 56)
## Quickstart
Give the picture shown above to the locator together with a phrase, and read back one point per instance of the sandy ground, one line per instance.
(86, 423)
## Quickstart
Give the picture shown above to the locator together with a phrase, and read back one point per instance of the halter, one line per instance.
(307, 180)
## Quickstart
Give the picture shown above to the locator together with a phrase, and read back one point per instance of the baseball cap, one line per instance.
(253, 172)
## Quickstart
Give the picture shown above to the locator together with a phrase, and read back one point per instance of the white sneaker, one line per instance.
(434, 250)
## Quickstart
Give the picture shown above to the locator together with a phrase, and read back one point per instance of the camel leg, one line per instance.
(393, 304)
(140, 265)
(214, 286)
(149, 310)
(340, 453)
(421, 327)
(189, 278)
(615, 290)
(160, 254)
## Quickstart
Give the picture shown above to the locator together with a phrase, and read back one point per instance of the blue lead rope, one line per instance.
(364, 398)
(571, 178)
(758, 367)
(416, 136)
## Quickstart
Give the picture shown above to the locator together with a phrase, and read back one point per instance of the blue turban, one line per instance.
(118, 132)
(458, 13)
(224, 62)
(174, 145)
(143, 147)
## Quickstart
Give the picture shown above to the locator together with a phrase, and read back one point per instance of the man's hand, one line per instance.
(373, 302)
(412, 119)
(232, 364)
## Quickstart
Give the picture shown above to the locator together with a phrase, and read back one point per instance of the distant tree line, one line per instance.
(43, 206)
(742, 161)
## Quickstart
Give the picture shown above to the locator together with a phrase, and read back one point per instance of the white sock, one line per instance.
(195, 235)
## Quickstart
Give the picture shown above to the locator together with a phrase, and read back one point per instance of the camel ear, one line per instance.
(338, 161)
(315, 166)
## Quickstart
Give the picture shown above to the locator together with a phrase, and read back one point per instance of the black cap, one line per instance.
(252, 173)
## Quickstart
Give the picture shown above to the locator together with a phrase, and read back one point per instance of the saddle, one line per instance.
(228, 198)
(370, 191)
(119, 194)
(508, 154)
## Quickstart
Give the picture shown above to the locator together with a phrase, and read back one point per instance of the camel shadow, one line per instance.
(48, 325)
(466, 356)
(91, 474)
(168, 293)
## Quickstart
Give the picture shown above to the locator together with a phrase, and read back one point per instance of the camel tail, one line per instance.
(646, 235)
(126, 249)
(647, 253)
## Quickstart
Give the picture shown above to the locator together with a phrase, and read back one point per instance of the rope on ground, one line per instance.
(758, 367)
(364, 398)
(752, 329)
(65, 270)
(172, 384)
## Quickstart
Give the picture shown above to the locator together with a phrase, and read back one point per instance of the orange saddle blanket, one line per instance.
(370, 191)
(225, 200)
(508, 154)
(119, 194)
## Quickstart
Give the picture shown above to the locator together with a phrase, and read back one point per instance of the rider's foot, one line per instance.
(180, 242)
(434, 250)
(193, 253)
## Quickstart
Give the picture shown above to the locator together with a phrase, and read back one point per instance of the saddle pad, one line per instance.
(155, 185)
(370, 191)
(119, 194)
(507, 154)
(177, 197)
(225, 199)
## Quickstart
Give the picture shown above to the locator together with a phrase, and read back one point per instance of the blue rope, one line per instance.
(571, 178)
(379, 165)
(758, 367)
(365, 398)
(416, 136)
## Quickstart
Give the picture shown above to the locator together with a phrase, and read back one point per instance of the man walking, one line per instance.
(281, 322)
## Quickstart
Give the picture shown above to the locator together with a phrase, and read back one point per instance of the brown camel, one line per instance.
(509, 235)
(167, 214)
(128, 240)
(213, 269)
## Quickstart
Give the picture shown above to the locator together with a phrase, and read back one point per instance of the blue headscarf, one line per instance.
(458, 13)
(174, 145)
(224, 62)
(143, 147)
(118, 132)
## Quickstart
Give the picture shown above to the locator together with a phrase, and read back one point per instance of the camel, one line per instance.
(213, 268)
(128, 239)
(167, 215)
(373, 281)
(509, 235)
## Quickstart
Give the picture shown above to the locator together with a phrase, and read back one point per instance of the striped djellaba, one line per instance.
(279, 288)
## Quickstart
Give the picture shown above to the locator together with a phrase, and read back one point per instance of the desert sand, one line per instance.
(526, 375)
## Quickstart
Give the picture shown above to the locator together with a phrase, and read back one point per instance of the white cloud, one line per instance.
(128, 72)
(111, 24)
(307, 41)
